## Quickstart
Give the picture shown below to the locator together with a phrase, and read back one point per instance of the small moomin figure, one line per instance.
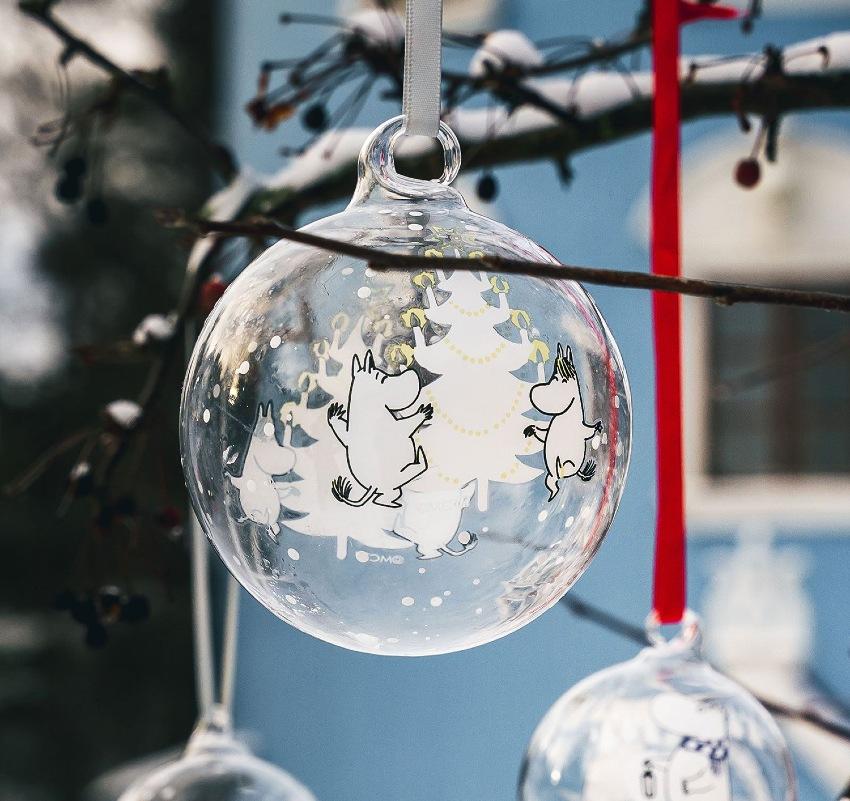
(382, 455)
(699, 766)
(565, 436)
(431, 520)
(259, 495)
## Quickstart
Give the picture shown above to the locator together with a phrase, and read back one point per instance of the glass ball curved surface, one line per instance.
(664, 725)
(405, 462)
(215, 767)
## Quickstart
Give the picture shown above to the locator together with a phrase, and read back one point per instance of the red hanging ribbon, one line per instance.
(669, 593)
(669, 581)
(690, 11)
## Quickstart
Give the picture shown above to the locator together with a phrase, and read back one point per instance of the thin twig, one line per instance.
(582, 609)
(721, 292)
(617, 625)
(40, 11)
(23, 482)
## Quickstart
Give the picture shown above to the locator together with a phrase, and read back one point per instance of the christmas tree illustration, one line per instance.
(479, 404)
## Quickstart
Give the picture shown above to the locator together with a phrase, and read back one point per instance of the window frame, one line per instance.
(818, 500)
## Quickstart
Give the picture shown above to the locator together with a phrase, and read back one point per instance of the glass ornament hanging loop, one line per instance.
(378, 153)
(216, 767)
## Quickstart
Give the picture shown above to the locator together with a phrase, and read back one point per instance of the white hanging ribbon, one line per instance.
(205, 683)
(422, 67)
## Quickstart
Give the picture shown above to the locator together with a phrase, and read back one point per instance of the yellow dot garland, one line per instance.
(476, 432)
(467, 357)
(470, 313)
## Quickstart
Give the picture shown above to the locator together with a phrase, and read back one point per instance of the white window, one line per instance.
(767, 388)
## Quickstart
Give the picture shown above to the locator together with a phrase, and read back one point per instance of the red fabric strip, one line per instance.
(691, 11)
(669, 579)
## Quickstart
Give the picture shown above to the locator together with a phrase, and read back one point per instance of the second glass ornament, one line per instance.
(405, 462)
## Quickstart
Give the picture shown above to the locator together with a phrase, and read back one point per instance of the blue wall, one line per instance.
(360, 727)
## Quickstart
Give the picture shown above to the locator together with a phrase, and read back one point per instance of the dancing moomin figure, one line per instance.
(382, 455)
(699, 766)
(259, 495)
(564, 438)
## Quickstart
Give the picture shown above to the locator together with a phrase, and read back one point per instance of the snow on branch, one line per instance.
(563, 116)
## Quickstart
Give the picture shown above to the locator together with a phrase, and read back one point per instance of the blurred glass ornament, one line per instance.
(467, 433)
(664, 725)
(215, 767)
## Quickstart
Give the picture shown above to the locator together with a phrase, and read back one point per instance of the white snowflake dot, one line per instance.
(275, 341)
(436, 601)
(408, 601)
(293, 554)
(268, 429)
(543, 515)
(476, 581)
(479, 611)
(415, 227)
(347, 270)
(252, 347)
(617, 402)
(361, 556)
(216, 391)
(421, 570)
(206, 415)
(364, 292)
(291, 599)
(569, 521)
(243, 368)
(414, 213)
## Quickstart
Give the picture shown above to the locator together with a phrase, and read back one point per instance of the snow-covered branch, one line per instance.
(596, 109)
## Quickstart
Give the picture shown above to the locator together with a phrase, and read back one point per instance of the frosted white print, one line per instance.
(259, 496)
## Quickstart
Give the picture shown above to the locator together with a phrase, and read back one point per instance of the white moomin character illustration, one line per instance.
(259, 495)
(431, 521)
(564, 438)
(382, 454)
(699, 766)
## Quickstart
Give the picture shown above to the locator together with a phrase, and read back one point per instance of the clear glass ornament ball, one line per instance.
(215, 767)
(405, 462)
(664, 726)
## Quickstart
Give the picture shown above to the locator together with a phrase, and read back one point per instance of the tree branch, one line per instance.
(40, 10)
(586, 611)
(557, 140)
(721, 292)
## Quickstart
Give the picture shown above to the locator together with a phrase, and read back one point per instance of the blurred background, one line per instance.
(83, 260)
